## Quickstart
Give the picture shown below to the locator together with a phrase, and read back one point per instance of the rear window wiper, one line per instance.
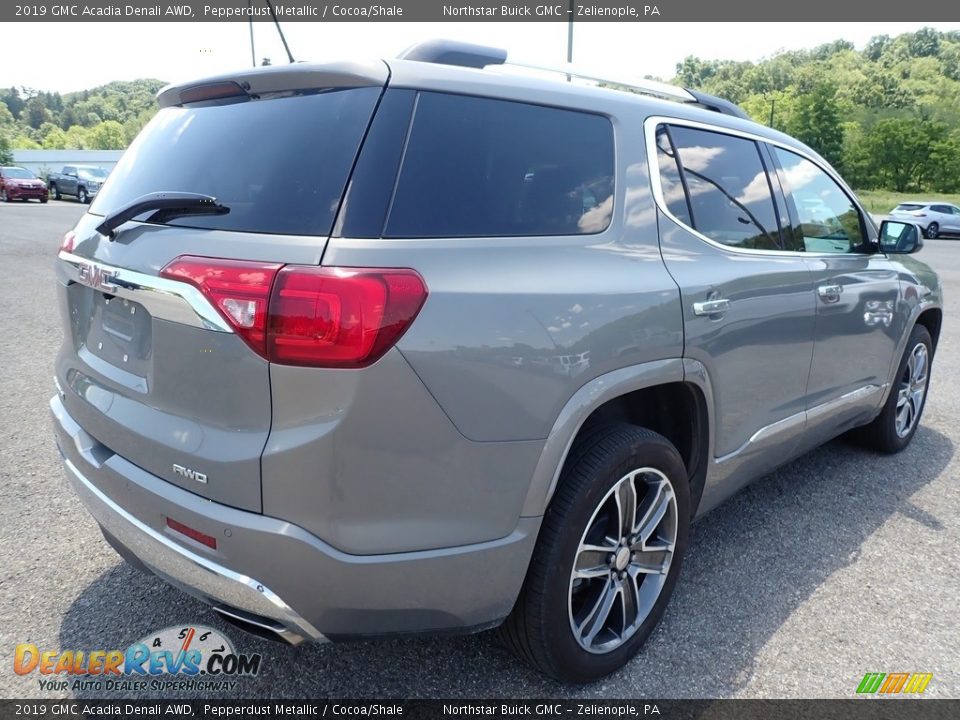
(168, 205)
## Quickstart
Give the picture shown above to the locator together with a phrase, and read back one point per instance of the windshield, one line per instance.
(92, 174)
(18, 172)
(280, 165)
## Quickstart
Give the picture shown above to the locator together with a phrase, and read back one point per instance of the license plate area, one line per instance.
(119, 332)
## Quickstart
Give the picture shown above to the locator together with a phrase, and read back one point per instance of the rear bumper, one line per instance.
(202, 577)
(270, 572)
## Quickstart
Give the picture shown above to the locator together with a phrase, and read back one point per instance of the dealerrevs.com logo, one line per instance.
(176, 658)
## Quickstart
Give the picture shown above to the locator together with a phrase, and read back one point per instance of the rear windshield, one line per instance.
(279, 164)
(908, 207)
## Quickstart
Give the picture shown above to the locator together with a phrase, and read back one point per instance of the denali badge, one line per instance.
(189, 474)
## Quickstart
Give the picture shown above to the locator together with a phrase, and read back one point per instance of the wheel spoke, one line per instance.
(919, 373)
(652, 560)
(630, 600)
(597, 617)
(592, 561)
(653, 510)
(626, 499)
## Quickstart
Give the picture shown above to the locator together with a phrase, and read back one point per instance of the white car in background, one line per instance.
(936, 218)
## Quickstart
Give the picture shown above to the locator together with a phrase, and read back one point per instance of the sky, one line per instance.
(176, 52)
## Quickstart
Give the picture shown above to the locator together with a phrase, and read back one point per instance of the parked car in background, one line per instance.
(80, 181)
(17, 183)
(936, 218)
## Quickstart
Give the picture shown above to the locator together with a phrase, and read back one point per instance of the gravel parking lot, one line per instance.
(838, 564)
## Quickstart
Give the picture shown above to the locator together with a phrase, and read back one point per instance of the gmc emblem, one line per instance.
(96, 277)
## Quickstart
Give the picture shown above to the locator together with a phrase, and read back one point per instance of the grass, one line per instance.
(883, 201)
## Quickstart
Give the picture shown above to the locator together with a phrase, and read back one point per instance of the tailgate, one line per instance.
(150, 367)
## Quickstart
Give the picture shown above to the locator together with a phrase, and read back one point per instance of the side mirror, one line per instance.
(900, 238)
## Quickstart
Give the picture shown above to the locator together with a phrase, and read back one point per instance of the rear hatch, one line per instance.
(152, 369)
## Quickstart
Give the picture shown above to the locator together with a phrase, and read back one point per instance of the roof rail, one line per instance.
(453, 52)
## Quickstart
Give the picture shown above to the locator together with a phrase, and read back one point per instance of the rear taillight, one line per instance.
(309, 315)
(69, 240)
(340, 317)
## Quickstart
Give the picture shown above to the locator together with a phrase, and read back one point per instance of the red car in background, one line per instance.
(17, 183)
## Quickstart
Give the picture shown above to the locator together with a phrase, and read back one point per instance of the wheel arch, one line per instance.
(932, 320)
(671, 397)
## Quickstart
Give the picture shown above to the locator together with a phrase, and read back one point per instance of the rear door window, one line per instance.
(731, 200)
(478, 167)
(279, 164)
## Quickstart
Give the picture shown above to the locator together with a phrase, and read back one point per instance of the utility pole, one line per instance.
(570, 35)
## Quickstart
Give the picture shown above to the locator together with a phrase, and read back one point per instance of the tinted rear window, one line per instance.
(280, 165)
(481, 167)
(908, 207)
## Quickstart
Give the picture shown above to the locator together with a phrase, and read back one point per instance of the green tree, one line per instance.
(6, 154)
(56, 139)
(816, 121)
(108, 135)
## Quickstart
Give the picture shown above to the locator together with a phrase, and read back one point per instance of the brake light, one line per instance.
(69, 240)
(239, 289)
(308, 315)
(340, 317)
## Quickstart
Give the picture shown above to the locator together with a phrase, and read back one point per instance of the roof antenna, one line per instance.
(253, 52)
(276, 22)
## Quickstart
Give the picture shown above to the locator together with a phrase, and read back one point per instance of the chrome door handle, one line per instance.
(711, 307)
(830, 293)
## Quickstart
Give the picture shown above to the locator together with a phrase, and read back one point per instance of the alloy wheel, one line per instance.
(912, 389)
(622, 560)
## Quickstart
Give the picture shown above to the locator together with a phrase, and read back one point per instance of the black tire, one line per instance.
(881, 434)
(56, 192)
(82, 196)
(933, 231)
(539, 629)
(44, 200)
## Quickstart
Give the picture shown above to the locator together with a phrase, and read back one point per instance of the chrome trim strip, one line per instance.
(220, 582)
(799, 419)
(854, 397)
(163, 298)
(650, 135)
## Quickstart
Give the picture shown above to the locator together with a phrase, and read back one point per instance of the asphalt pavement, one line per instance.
(838, 564)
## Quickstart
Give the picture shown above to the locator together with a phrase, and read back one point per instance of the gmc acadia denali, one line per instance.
(426, 346)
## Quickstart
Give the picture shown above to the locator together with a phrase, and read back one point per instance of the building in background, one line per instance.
(47, 161)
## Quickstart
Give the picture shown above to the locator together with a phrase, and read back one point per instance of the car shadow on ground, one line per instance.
(751, 564)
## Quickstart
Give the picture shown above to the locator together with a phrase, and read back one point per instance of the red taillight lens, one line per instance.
(239, 289)
(69, 240)
(340, 317)
(307, 315)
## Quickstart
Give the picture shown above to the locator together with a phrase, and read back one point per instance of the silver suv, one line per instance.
(420, 346)
(937, 218)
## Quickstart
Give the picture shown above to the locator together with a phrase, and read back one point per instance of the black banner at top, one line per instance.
(479, 11)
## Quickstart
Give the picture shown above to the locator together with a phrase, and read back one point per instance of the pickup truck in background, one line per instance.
(81, 181)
